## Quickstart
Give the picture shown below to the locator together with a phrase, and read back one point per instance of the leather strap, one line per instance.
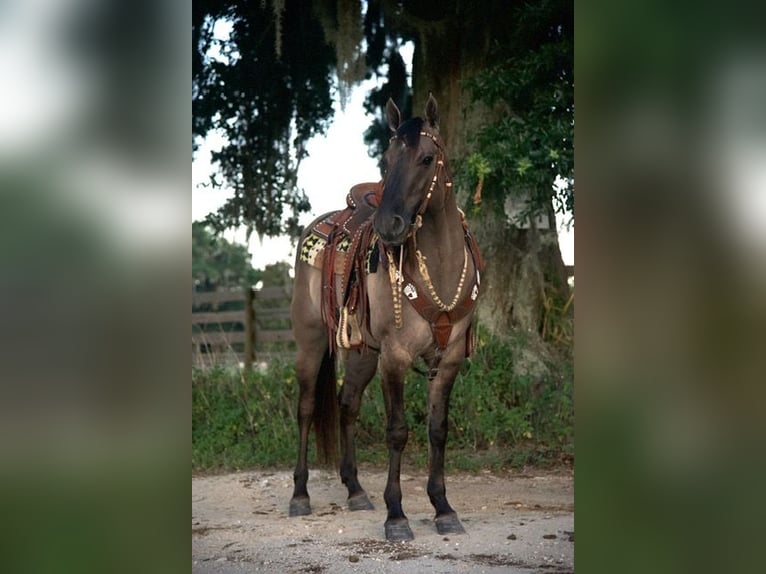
(442, 321)
(341, 296)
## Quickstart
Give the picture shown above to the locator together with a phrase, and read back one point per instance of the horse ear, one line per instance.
(432, 110)
(393, 115)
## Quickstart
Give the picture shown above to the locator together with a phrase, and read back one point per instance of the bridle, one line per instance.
(417, 222)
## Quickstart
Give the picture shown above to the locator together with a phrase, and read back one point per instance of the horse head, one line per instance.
(412, 162)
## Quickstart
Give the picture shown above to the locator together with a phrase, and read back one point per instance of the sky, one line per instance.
(335, 163)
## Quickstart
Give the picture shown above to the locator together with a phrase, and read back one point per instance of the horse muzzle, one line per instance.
(392, 230)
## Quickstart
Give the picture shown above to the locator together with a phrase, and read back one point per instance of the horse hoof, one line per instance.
(449, 524)
(360, 502)
(300, 506)
(398, 530)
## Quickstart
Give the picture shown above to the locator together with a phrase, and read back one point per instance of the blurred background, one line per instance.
(671, 261)
(94, 212)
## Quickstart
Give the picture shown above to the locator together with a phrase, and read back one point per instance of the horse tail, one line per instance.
(326, 410)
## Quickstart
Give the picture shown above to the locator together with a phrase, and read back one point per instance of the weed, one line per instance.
(497, 419)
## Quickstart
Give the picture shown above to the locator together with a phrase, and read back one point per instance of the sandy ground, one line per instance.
(515, 522)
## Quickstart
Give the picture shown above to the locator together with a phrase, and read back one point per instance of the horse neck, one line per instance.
(441, 241)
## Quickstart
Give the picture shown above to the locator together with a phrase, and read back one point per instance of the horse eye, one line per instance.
(428, 159)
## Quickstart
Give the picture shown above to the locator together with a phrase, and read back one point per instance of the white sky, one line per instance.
(335, 163)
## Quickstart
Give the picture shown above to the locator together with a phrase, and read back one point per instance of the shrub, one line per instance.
(497, 419)
(242, 419)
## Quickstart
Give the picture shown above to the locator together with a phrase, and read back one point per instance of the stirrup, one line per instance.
(348, 323)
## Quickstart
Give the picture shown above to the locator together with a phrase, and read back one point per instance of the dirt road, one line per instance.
(518, 523)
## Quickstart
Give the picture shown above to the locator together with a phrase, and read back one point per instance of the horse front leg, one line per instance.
(360, 368)
(439, 390)
(397, 526)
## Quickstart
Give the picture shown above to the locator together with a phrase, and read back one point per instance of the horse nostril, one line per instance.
(397, 224)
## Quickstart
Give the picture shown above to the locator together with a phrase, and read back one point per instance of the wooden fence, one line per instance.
(240, 327)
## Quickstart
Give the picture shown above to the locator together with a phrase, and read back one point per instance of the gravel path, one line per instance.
(517, 523)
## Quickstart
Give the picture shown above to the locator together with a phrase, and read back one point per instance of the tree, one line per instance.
(217, 262)
(276, 274)
(267, 89)
(502, 73)
(524, 159)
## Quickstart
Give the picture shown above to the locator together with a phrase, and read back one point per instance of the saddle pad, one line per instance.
(313, 246)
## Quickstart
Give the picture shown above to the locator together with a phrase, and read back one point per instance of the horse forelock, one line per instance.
(409, 131)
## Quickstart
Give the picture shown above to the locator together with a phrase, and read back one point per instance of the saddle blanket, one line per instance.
(312, 250)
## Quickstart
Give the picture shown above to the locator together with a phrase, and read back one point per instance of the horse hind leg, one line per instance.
(360, 368)
(315, 367)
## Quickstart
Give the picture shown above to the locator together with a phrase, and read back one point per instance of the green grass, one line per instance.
(497, 419)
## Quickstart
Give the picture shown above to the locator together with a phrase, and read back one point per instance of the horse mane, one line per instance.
(409, 131)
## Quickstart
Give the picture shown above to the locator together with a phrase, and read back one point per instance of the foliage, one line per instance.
(243, 419)
(529, 150)
(385, 35)
(532, 412)
(276, 275)
(217, 262)
(394, 86)
(496, 418)
(266, 88)
(558, 327)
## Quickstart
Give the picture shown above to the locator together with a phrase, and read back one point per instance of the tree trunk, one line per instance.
(524, 266)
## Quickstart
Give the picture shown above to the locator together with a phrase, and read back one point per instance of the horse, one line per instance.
(421, 248)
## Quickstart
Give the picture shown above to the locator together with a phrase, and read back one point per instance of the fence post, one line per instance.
(249, 328)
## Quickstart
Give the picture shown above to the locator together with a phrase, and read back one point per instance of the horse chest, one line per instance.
(415, 335)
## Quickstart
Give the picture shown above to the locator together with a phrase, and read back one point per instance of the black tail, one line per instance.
(326, 410)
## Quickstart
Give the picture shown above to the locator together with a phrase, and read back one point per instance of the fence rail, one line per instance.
(241, 326)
